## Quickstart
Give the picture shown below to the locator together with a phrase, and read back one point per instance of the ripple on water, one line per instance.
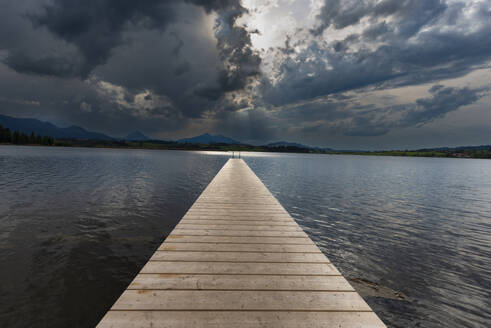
(412, 226)
(76, 225)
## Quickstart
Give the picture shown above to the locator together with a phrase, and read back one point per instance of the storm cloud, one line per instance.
(87, 36)
(301, 70)
(443, 100)
(399, 43)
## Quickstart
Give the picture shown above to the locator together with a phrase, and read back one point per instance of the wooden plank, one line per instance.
(240, 215)
(239, 319)
(250, 227)
(228, 222)
(169, 300)
(265, 219)
(235, 282)
(228, 201)
(240, 268)
(246, 206)
(239, 257)
(239, 208)
(240, 240)
(169, 246)
(238, 233)
(250, 212)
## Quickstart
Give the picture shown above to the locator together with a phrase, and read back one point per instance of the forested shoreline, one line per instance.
(15, 137)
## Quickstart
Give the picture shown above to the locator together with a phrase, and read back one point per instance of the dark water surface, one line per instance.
(420, 226)
(76, 225)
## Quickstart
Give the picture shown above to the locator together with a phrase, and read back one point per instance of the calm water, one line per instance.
(77, 224)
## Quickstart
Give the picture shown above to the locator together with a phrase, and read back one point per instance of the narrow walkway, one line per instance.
(238, 259)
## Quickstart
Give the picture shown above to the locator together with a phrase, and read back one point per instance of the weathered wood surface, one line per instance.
(238, 259)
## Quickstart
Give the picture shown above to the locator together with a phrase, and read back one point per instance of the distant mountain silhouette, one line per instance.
(287, 144)
(136, 136)
(28, 125)
(210, 139)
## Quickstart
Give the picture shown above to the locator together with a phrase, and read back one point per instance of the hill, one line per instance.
(286, 144)
(28, 125)
(295, 145)
(207, 139)
(136, 136)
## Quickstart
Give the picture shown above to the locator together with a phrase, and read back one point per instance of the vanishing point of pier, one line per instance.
(238, 259)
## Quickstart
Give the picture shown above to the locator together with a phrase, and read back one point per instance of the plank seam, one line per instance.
(247, 290)
(248, 274)
(223, 261)
(233, 310)
(200, 251)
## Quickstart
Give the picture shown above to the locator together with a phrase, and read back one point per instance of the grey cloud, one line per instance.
(96, 29)
(60, 66)
(182, 68)
(438, 50)
(341, 14)
(410, 15)
(178, 46)
(375, 31)
(343, 115)
(170, 72)
(252, 126)
(239, 62)
(442, 101)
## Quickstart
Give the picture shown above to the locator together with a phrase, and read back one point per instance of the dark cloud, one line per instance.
(343, 115)
(162, 66)
(443, 100)
(60, 66)
(239, 62)
(253, 126)
(341, 14)
(95, 28)
(182, 68)
(408, 16)
(90, 34)
(376, 31)
(401, 43)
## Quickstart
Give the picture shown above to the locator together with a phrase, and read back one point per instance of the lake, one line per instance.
(412, 234)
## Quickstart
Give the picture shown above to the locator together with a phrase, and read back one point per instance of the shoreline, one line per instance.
(245, 148)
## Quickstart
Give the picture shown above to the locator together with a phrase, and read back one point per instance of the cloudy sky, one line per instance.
(352, 74)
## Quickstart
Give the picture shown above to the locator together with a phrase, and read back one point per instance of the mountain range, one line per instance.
(279, 144)
(136, 136)
(286, 144)
(42, 128)
(28, 125)
(210, 139)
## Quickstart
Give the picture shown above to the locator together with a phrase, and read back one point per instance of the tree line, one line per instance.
(18, 138)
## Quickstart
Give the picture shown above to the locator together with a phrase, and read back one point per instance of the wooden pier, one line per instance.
(238, 259)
